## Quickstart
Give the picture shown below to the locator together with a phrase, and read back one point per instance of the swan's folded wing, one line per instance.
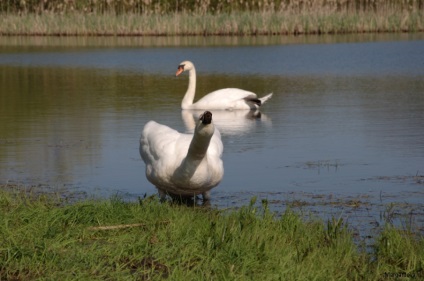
(225, 97)
(216, 147)
(157, 141)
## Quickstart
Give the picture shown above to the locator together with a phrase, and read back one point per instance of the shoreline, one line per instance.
(35, 34)
(366, 215)
(10, 43)
(309, 206)
(110, 238)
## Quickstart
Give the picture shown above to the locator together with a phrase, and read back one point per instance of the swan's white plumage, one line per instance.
(182, 164)
(229, 122)
(223, 99)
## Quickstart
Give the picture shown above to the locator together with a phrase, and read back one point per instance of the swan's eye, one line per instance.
(181, 66)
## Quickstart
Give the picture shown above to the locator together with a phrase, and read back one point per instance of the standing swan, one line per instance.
(183, 164)
(224, 99)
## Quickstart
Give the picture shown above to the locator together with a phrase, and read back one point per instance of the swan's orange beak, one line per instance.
(180, 70)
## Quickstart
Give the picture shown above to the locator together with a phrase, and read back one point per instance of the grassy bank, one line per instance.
(203, 17)
(42, 238)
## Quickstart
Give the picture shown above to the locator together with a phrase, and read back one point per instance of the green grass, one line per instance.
(43, 238)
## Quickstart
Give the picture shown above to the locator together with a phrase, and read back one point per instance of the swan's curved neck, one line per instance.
(199, 145)
(191, 90)
(196, 152)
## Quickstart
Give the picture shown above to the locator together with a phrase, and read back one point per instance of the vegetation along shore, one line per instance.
(209, 17)
(44, 237)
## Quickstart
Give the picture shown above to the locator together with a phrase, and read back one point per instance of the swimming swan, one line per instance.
(183, 164)
(224, 99)
(234, 123)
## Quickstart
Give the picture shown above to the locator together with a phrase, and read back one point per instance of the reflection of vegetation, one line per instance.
(42, 238)
(24, 42)
(206, 17)
(54, 117)
(41, 93)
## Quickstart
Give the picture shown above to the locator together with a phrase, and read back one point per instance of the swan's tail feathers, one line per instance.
(256, 101)
(265, 98)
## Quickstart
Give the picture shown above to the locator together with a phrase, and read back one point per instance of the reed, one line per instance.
(209, 17)
(204, 6)
(44, 238)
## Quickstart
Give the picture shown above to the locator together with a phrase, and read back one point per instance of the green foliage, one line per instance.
(42, 238)
(402, 250)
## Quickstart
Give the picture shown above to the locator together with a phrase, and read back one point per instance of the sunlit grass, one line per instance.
(43, 238)
(236, 23)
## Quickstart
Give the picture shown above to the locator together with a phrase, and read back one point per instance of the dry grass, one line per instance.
(205, 6)
(210, 17)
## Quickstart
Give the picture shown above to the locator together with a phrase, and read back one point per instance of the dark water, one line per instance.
(343, 134)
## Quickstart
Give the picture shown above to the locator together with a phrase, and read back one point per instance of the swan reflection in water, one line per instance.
(229, 123)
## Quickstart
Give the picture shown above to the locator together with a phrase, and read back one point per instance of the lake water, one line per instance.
(343, 134)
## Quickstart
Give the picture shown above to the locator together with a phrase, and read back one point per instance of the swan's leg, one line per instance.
(206, 196)
(162, 195)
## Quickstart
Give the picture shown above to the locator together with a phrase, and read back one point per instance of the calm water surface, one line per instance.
(343, 132)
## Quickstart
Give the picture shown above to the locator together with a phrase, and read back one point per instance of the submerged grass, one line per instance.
(41, 238)
(210, 17)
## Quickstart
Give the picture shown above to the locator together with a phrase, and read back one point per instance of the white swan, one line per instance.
(229, 122)
(183, 164)
(224, 99)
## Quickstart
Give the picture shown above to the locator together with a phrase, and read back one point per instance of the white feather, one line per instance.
(182, 164)
(223, 99)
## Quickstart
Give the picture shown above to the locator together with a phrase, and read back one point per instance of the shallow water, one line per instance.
(343, 133)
